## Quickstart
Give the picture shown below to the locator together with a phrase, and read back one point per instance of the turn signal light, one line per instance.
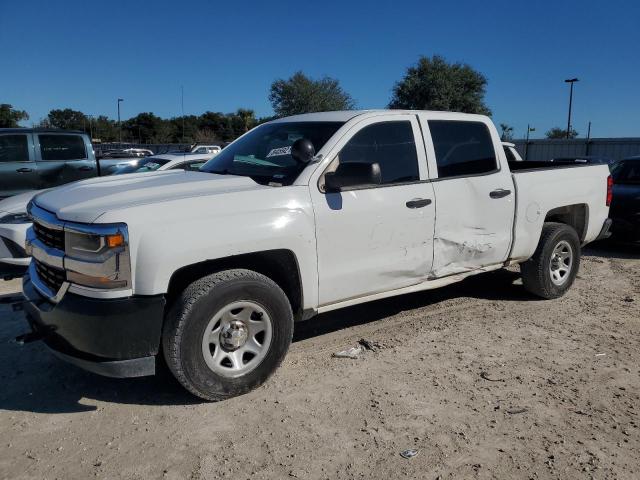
(609, 190)
(116, 240)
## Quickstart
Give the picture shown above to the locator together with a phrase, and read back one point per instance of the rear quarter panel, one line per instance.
(540, 191)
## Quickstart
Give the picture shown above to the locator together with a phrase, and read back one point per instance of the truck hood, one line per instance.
(87, 200)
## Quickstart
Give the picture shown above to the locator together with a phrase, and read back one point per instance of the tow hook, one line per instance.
(28, 338)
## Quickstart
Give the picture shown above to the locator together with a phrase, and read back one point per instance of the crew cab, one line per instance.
(299, 216)
(37, 158)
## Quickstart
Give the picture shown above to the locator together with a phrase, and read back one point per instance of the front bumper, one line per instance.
(112, 337)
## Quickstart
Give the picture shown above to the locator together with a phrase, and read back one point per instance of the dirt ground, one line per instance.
(482, 379)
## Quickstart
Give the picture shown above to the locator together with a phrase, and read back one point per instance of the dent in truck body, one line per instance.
(465, 252)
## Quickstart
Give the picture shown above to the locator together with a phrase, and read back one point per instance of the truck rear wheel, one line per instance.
(550, 272)
(227, 333)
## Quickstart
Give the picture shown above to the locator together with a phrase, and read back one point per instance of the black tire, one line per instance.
(536, 275)
(189, 316)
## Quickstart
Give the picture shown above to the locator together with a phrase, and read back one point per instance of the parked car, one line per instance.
(511, 152)
(138, 152)
(214, 149)
(166, 162)
(299, 216)
(625, 205)
(14, 223)
(33, 159)
(14, 220)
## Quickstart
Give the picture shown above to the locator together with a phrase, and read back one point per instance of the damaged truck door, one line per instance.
(386, 223)
(474, 196)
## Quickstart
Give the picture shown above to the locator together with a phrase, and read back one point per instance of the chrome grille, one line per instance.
(50, 237)
(51, 277)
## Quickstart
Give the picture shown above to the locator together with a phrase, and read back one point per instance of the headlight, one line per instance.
(97, 256)
(15, 218)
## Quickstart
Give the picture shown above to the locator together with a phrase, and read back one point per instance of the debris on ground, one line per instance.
(515, 411)
(600, 354)
(352, 353)
(369, 345)
(628, 299)
(409, 453)
(486, 376)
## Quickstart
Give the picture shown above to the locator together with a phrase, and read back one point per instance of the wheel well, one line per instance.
(576, 216)
(280, 266)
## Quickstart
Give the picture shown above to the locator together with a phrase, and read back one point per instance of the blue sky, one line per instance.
(84, 55)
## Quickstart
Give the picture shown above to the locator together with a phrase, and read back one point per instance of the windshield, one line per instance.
(146, 166)
(264, 154)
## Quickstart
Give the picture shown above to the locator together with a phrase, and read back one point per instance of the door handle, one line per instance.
(418, 202)
(24, 170)
(85, 168)
(500, 193)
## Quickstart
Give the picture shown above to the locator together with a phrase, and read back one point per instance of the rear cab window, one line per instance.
(462, 148)
(62, 147)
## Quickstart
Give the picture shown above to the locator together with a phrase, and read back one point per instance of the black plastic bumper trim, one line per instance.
(604, 232)
(135, 367)
(98, 331)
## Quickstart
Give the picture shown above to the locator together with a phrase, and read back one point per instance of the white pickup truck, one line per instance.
(299, 216)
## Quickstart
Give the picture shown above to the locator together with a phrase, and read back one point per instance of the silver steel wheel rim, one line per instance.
(237, 339)
(561, 263)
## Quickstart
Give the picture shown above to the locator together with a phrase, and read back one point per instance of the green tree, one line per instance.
(301, 94)
(435, 84)
(248, 118)
(557, 132)
(67, 119)
(9, 116)
(104, 129)
(507, 132)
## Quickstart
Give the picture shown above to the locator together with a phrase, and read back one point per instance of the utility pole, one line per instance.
(182, 109)
(570, 81)
(119, 124)
(526, 145)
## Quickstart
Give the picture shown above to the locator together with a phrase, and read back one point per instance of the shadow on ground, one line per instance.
(36, 381)
(613, 249)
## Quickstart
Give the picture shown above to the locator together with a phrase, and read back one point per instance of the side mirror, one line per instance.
(303, 150)
(353, 174)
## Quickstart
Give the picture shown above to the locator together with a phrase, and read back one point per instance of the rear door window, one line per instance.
(391, 145)
(462, 148)
(14, 148)
(62, 147)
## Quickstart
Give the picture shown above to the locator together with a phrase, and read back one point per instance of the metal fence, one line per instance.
(614, 148)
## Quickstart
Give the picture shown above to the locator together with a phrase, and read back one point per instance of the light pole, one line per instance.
(526, 144)
(119, 124)
(570, 81)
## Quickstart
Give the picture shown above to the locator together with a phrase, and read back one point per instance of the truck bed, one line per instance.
(529, 165)
(543, 188)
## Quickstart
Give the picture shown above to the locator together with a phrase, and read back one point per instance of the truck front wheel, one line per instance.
(550, 272)
(227, 333)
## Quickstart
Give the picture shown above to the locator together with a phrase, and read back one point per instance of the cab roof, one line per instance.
(346, 115)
